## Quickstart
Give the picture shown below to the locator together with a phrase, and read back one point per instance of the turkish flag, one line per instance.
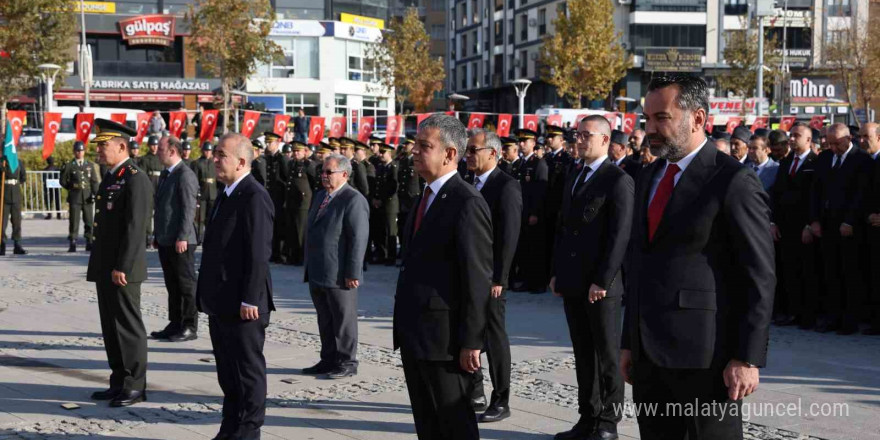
(365, 129)
(710, 123)
(732, 123)
(209, 124)
(530, 122)
(786, 122)
(281, 124)
(16, 120)
(176, 123)
(392, 131)
(450, 113)
(316, 130)
(476, 120)
(421, 117)
(760, 122)
(84, 123)
(554, 120)
(503, 127)
(629, 122)
(337, 126)
(612, 119)
(51, 124)
(119, 118)
(143, 121)
(578, 119)
(249, 123)
(817, 121)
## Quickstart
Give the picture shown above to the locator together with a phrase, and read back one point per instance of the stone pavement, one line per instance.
(51, 353)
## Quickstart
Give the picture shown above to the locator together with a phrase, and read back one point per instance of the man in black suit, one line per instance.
(595, 225)
(838, 218)
(440, 307)
(118, 264)
(530, 260)
(870, 139)
(617, 154)
(790, 216)
(235, 287)
(504, 197)
(699, 274)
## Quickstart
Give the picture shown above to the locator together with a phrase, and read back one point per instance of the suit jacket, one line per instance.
(701, 293)
(336, 238)
(790, 196)
(504, 197)
(443, 287)
(235, 252)
(631, 167)
(176, 207)
(767, 174)
(594, 230)
(122, 209)
(839, 194)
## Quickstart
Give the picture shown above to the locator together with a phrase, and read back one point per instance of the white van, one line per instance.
(68, 114)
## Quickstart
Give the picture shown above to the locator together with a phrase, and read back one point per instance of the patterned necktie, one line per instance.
(423, 206)
(794, 166)
(324, 203)
(661, 198)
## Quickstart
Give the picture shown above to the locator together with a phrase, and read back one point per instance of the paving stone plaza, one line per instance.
(816, 386)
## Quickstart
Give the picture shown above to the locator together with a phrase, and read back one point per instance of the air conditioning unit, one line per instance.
(533, 22)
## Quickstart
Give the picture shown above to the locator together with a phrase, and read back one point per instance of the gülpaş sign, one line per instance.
(153, 30)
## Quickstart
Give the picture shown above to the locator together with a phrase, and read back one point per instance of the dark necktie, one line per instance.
(794, 166)
(423, 206)
(581, 179)
(661, 198)
(164, 175)
(838, 158)
(217, 204)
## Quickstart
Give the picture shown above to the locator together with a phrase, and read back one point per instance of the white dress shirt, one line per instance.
(842, 157)
(436, 186)
(593, 166)
(480, 180)
(229, 189)
(800, 159)
(682, 165)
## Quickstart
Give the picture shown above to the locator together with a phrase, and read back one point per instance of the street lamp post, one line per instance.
(244, 95)
(521, 85)
(48, 73)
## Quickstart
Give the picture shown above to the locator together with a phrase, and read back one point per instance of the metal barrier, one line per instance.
(42, 193)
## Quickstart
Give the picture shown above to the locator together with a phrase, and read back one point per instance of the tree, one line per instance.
(741, 54)
(854, 59)
(230, 38)
(403, 63)
(584, 58)
(32, 32)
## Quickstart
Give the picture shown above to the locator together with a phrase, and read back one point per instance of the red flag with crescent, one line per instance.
(337, 126)
(629, 122)
(554, 120)
(250, 123)
(530, 122)
(817, 121)
(786, 122)
(612, 119)
(177, 122)
(84, 123)
(51, 124)
(118, 118)
(16, 120)
(281, 124)
(421, 117)
(710, 123)
(760, 122)
(503, 127)
(476, 120)
(209, 124)
(392, 131)
(365, 129)
(143, 121)
(316, 130)
(732, 123)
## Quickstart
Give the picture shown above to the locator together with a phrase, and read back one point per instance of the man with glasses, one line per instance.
(530, 260)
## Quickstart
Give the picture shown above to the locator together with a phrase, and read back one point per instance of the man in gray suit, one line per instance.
(760, 161)
(335, 243)
(175, 237)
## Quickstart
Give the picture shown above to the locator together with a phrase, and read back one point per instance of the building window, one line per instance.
(486, 73)
(499, 5)
(475, 75)
(839, 8)
(499, 33)
(561, 9)
(300, 59)
(475, 12)
(670, 5)
(340, 108)
(308, 102)
(523, 27)
(476, 46)
(438, 5)
(462, 12)
(736, 7)
(510, 64)
(663, 35)
(542, 21)
(463, 45)
(437, 31)
(463, 77)
(375, 107)
(523, 64)
(113, 57)
(359, 67)
(510, 31)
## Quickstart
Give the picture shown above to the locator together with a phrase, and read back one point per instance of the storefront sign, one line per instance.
(95, 7)
(299, 28)
(354, 32)
(797, 58)
(673, 59)
(183, 85)
(362, 21)
(155, 30)
(816, 91)
(790, 18)
(733, 106)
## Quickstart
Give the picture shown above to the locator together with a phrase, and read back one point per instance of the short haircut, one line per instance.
(604, 125)
(243, 147)
(452, 132)
(342, 162)
(760, 138)
(693, 92)
(777, 137)
(491, 138)
(173, 143)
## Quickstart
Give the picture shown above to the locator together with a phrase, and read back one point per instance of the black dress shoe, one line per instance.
(319, 368)
(494, 414)
(72, 247)
(342, 372)
(601, 434)
(580, 430)
(165, 333)
(128, 398)
(479, 404)
(108, 394)
(18, 250)
(186, 335)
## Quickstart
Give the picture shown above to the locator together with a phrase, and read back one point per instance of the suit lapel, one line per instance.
(592, 179)
(437, 205)
(688, 187)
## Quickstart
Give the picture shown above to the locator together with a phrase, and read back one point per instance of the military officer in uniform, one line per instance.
(151, 165)
(336, 143)
(258, 165)
(186, 152)
(276, 184)
(12, 200)
(358, 177)
(287, 151)
(385, 206)
(206, 174)
(301, 180)
(376, 157)
(318, 161)
(558, 162)
(80, 178)
(530, 260)
(509, 162)
(135, 151)
(409, 183)
(362, 155)
(118, 264)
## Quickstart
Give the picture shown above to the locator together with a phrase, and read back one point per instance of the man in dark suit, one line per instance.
(530, 260)
(617, 154)
(790, 217)
(504, 197)
(175, 237)
(838, 218)
(870, 139)
(336, 241)
(235, 287)
(118, 264)
(699, 274)
(595, 225)
(440, 307)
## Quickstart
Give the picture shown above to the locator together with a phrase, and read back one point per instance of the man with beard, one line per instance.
(636, 139)
(699, 274)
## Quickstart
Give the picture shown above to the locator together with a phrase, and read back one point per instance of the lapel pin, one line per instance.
(443, 196)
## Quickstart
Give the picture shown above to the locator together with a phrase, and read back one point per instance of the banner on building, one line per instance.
(530, 122)
(280, 124)
(392, 131)
(786, 122)
(143, 122)
(630, 122)
(673, 59)
(176, 123)
(16, 120)
(554, 120)
(817, 121)
(760, 122)
(476, 120)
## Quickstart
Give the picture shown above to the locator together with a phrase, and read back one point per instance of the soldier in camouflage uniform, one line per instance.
(81, 180)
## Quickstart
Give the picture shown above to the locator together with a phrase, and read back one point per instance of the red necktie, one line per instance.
(423, 206)
(661, 197)
(324, 203)
(794, 166)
